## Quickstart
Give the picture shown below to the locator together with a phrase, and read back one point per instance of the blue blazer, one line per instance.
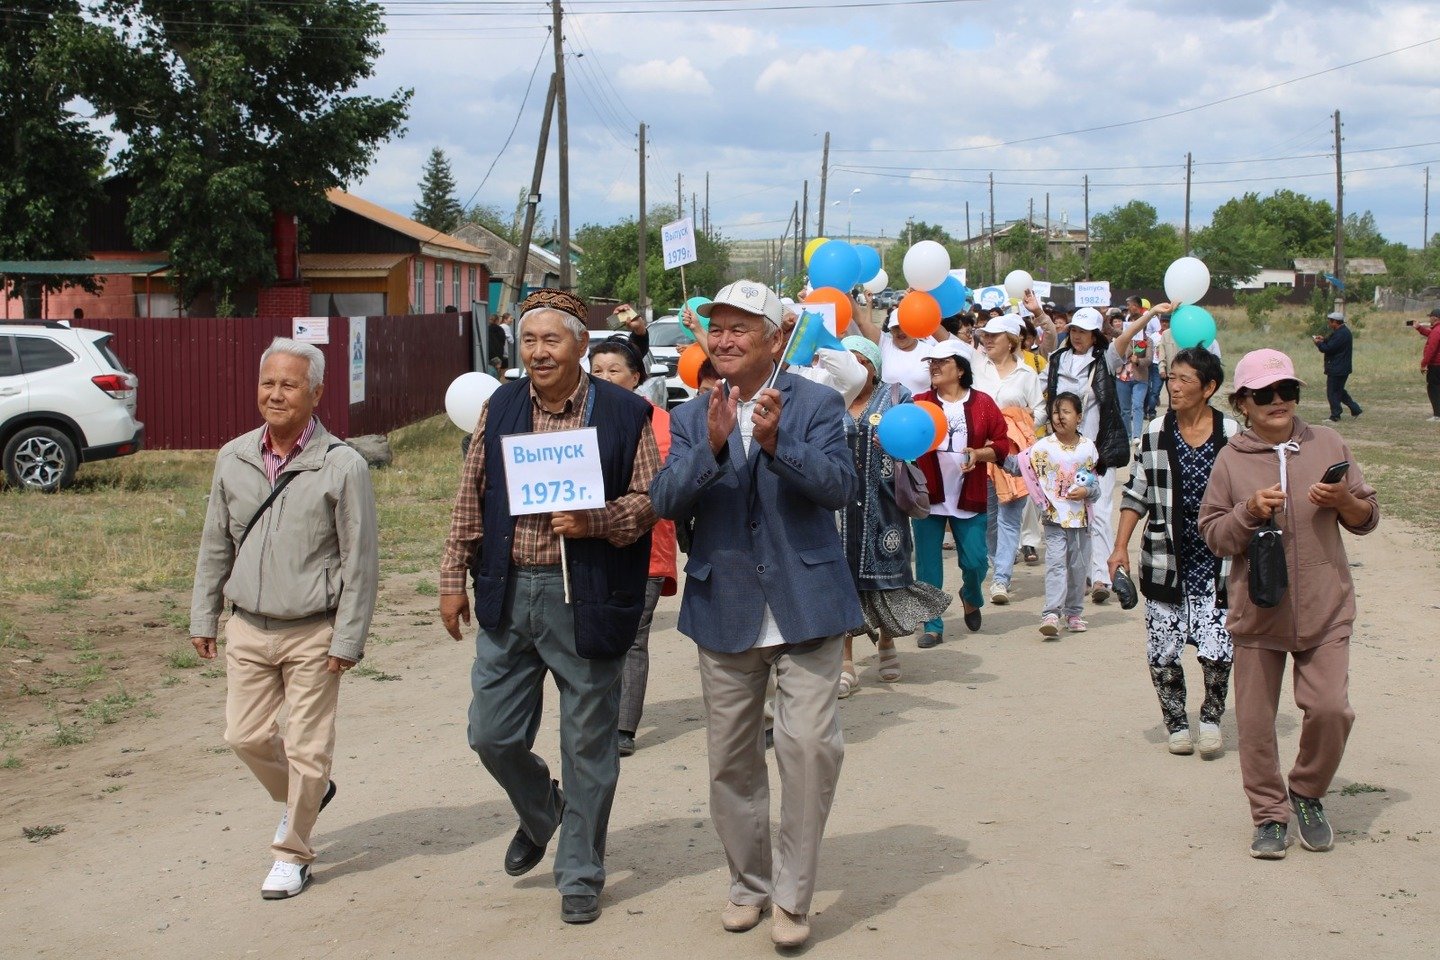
(764, 527)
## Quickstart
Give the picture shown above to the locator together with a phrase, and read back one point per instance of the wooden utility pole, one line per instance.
(1030, 231)
(994, 270)
(532, 203)
(1339, 219)
(564, 133)
(694, 204)
(795, 258)
(1189, 166)
(679, 198)
(1087, 226)
(824, 179)
(641, 291)
(804, 218)
(1425, 224)
(1047, 234)
(707, 203)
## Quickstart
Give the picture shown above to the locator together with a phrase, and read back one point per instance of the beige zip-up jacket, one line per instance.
(315, 551)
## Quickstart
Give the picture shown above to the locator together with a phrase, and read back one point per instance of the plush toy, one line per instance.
(1088, 481)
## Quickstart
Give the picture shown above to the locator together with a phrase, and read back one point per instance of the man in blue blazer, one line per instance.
(760, 465)
(1339, 350)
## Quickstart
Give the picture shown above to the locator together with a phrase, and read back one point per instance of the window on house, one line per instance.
(473, 276)
(455, 284)
(439, 303)
(419, 286)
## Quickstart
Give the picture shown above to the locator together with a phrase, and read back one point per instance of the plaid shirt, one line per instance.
(1151, 492)
(274, 463)
(621, 522)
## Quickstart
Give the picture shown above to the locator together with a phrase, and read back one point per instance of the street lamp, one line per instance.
(848, 201)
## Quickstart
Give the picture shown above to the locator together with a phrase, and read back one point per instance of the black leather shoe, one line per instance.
(579, 907)
(972, 620)
(523, 852)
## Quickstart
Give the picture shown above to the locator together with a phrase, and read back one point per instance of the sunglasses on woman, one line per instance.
(1287, 390)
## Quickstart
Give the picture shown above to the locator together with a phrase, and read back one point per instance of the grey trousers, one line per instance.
(1067, 562)
(637, 663)
(536, 634)
(809, 749)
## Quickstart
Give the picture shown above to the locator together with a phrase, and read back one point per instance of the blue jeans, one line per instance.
(969, 550)
(1133, 397)
(1152, 400)
(1002, 534)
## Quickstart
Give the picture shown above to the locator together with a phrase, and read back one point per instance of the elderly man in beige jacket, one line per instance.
(290, 543)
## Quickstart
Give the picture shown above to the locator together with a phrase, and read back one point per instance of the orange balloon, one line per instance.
(919, 314)
(942, 426)
(843, 309)
(689, 365)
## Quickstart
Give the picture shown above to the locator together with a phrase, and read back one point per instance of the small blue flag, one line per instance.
(810, 334)
(1333, 280)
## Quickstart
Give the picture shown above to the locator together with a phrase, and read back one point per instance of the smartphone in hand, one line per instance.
(1336, 472)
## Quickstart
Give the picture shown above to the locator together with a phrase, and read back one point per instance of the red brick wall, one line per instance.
(291, 300)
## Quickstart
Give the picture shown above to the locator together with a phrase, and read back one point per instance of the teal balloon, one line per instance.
(695, 303)
(835, 264)
(906, 431)
(869, 262)
(1192, 326)
(951, 295)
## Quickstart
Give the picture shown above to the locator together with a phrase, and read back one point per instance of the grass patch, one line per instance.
(110, 708)
(169, 680)
(92, 673)
(371, 672)
(186, 659)
(36, 834)
(427, 588)
(214, 673)
(11, 762)
(1355, 789)
(113, 788)
(12, 637)
(68, 734)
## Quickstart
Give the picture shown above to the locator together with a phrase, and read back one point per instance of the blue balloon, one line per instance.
(835, 264)
(952, 295)
(906, 431)
(869, 262)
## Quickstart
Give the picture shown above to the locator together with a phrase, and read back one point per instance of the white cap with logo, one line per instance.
(750, 296)
(1086, 318)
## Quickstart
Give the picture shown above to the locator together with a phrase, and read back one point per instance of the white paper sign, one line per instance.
(678, 241)
(959, 275)
(560, 470)
(991, 297)
(1093, 294)
(1041, 288)
(826, 310)
(357, 359)
(310, 329)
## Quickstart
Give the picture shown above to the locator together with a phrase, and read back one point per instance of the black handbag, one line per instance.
(1269, 576)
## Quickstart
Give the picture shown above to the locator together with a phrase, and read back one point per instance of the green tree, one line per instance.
(438, 207)
(1130, 247)
(1362, 236)
(52, 160)
(233, 111)
(612, 263)
(1239, 241)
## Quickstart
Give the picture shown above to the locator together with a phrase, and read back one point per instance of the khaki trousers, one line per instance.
(1322, 683)
(809, 749)
(272, 664)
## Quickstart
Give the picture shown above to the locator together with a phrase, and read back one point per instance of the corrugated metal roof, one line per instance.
(350, 264)
(78, 268)
(394, 221)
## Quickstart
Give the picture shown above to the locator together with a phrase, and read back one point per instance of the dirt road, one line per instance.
(1008, 798)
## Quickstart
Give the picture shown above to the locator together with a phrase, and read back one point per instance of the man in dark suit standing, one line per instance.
(1339, 350)
(760, 465)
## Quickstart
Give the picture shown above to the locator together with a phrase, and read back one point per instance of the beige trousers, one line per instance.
(809, 749)
(272, 664)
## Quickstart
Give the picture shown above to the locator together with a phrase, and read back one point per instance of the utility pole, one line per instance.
(694, 217)
(679, 198)
(795, 258)
(1425, 224)
(1339, 218)
(1047, 234)
(969, 253)
(824, 178)
(1030, 231)
(1189, 166)
(994, 271)
(532, 203)
(564, 145)
(805, 217)
(1087, 226)
(707, 203)
(640, 295)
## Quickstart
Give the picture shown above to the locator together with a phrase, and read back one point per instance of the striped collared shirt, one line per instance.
(274, 463)
(621, 522)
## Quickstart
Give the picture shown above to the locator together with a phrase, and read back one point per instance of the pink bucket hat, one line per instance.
(1261, 368)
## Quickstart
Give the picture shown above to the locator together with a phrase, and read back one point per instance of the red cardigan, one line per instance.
(985, 426)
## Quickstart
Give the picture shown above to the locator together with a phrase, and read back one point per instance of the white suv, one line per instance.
(65, 399)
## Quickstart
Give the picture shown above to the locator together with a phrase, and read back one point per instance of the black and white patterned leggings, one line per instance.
(1169, 626)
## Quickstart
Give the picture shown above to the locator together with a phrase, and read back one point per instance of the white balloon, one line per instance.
(1187, 280)
(466, 396)
(927, 264)
(878, 282)
(1017, 282)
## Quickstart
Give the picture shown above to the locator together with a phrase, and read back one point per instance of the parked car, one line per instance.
(65, 399)
(667, 339)
(656, 387)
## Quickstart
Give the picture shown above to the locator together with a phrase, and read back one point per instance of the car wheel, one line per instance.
(40, 458)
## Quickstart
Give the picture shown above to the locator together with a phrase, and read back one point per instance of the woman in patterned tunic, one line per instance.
(877, 534)
(1183, 582)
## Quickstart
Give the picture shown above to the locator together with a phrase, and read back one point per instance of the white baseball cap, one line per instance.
(953, 347)
(750, 296)
(1086, 318)
(1005, 323)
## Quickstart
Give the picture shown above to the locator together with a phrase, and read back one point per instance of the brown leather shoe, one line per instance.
(789, 929)
(739, 917)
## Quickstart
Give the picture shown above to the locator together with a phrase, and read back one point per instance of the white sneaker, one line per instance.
(1181, 744)
(999, 594)
(285, 880)
(284, 825)
(1210, 742)
(1432, 419)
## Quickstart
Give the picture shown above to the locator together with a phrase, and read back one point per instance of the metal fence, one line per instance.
(198, 374)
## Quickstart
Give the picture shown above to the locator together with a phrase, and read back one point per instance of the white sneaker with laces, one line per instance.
(285, 880)
(1000, 594)
(1180, 743)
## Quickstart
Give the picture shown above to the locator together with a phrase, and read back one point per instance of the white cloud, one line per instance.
(676, 78)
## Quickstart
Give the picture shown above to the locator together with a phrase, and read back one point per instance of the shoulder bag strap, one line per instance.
(280, 485)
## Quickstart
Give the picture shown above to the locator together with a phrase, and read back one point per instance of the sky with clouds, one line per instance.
(923, 101)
